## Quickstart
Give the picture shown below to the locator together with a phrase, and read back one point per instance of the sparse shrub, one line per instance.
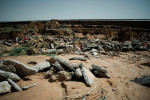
(53, 53)
(7, 29)
(18, 51)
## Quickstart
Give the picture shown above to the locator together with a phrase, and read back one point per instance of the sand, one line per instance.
(121, 69)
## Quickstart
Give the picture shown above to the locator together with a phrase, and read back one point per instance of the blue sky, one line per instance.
(23, 10)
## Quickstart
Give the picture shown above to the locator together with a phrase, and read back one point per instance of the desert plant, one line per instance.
(53, 53)
(7, 29)
(18, 51)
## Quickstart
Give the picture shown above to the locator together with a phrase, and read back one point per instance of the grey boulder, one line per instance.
(64, 62)
(4, 75)
(88, 76)
(98, 68)
(22, 69)
(78, 73)
(41, 66)
(5, 87)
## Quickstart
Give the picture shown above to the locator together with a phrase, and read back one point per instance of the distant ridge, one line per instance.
(78, 20)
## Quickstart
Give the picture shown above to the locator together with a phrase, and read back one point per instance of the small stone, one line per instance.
(48, 74)
(5, 87)
(53, 78)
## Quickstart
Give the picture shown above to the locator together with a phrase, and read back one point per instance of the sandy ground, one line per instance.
(121, 69)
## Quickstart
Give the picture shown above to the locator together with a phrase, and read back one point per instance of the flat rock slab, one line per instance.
(78, 58)
(14, 85)
(4, 75)
(64, 62)
(22, 69)
(5, 87)
(88, 76)
(99, 68)
(42, 66)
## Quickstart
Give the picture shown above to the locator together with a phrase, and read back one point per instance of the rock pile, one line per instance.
(12, 71)
(62, 70)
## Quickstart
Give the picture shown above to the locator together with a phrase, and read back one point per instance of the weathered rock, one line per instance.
(5, 87)
(48, 74)
(53, 78)
(22, 69)
(126, 46)
(75, 65)
(94, 50)
(59, 66)
(4, 75)
(8, 44)
(8, 68)
(52, 60)
(42, 66)
(26, 87)
(64, 76)
(101, 74)
(98, 68)
(14, 85)
(78, 73)
(88, 76)
(95, 53)
(78, 58)
(64, 62)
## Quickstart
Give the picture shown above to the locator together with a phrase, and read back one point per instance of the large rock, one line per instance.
(41, 66)
(14, 85)
(98, 68)
(22, 69)
(48, 74)
(88, 76)
(78, 73)
(64, 62)
(64, 76)
(101, 74)
(4, 75)
(5, 87)
(8, 68)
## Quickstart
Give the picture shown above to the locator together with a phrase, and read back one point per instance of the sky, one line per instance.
(26, 10)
